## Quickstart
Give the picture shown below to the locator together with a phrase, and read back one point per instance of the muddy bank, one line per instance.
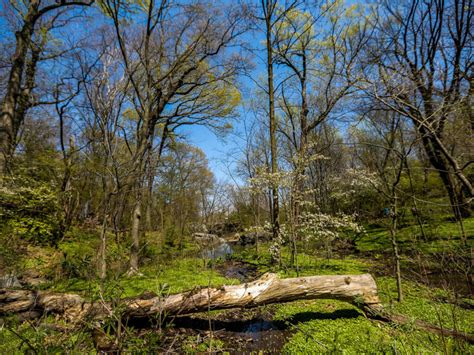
(238, 270)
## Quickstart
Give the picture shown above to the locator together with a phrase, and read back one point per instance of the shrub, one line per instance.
(30, 210)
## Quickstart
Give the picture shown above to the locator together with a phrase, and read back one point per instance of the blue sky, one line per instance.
(220, 151)
(215, 148)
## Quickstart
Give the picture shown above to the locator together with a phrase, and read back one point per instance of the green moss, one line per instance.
(193, 345)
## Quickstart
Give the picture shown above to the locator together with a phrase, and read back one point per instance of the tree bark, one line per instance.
(396, 253)
(359, 289)
(269, 8)
(144, 147)
(135, 233)
(8, 126)
(459, 203)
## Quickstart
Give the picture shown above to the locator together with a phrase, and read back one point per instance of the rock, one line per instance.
(233, 238)
(224, 228)
(208, 239)
(250, 238)
(199, 228)
(9, 281)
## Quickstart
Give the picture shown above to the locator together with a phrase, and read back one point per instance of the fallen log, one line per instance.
(360, 290)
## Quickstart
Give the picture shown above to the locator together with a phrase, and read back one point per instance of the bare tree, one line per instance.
(423, 69)
(21, 78)
(175, 76)
(272, 15)
(105, 96)
(385, 149)
(317, 47)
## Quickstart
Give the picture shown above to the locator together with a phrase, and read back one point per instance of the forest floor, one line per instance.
(443, 298)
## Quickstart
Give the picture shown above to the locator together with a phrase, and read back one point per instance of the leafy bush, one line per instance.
(11, 251)
(30, 210)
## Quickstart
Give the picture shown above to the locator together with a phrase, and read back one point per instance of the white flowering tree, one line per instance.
(326, 229)
(304, 221)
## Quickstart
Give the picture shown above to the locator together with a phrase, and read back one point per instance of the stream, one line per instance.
(241, 330)
(217, 251)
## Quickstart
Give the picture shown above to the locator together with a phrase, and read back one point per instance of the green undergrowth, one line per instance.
(193, 345)
(319, 326)
(432, 305)
(176, 275)
(34, 338)
(71, 267)
(329, 326)
(444, 235)
(307, 264)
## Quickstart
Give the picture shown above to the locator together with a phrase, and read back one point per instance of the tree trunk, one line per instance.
(8, 126)
(359, 289)
(461, 207)
(273, 126)
(396, 254)
(102, 262)
(135, 247)
(137, 182)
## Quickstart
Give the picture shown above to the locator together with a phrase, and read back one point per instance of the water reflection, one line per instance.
(221, 250)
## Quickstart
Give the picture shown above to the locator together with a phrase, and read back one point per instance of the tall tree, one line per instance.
(104, 96)
(21, 77)
(178, 76)
(272, 15)
(269, 8)
(316, 48)
(423, 70)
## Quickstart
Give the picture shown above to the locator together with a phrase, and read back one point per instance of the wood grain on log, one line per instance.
(267, 289)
